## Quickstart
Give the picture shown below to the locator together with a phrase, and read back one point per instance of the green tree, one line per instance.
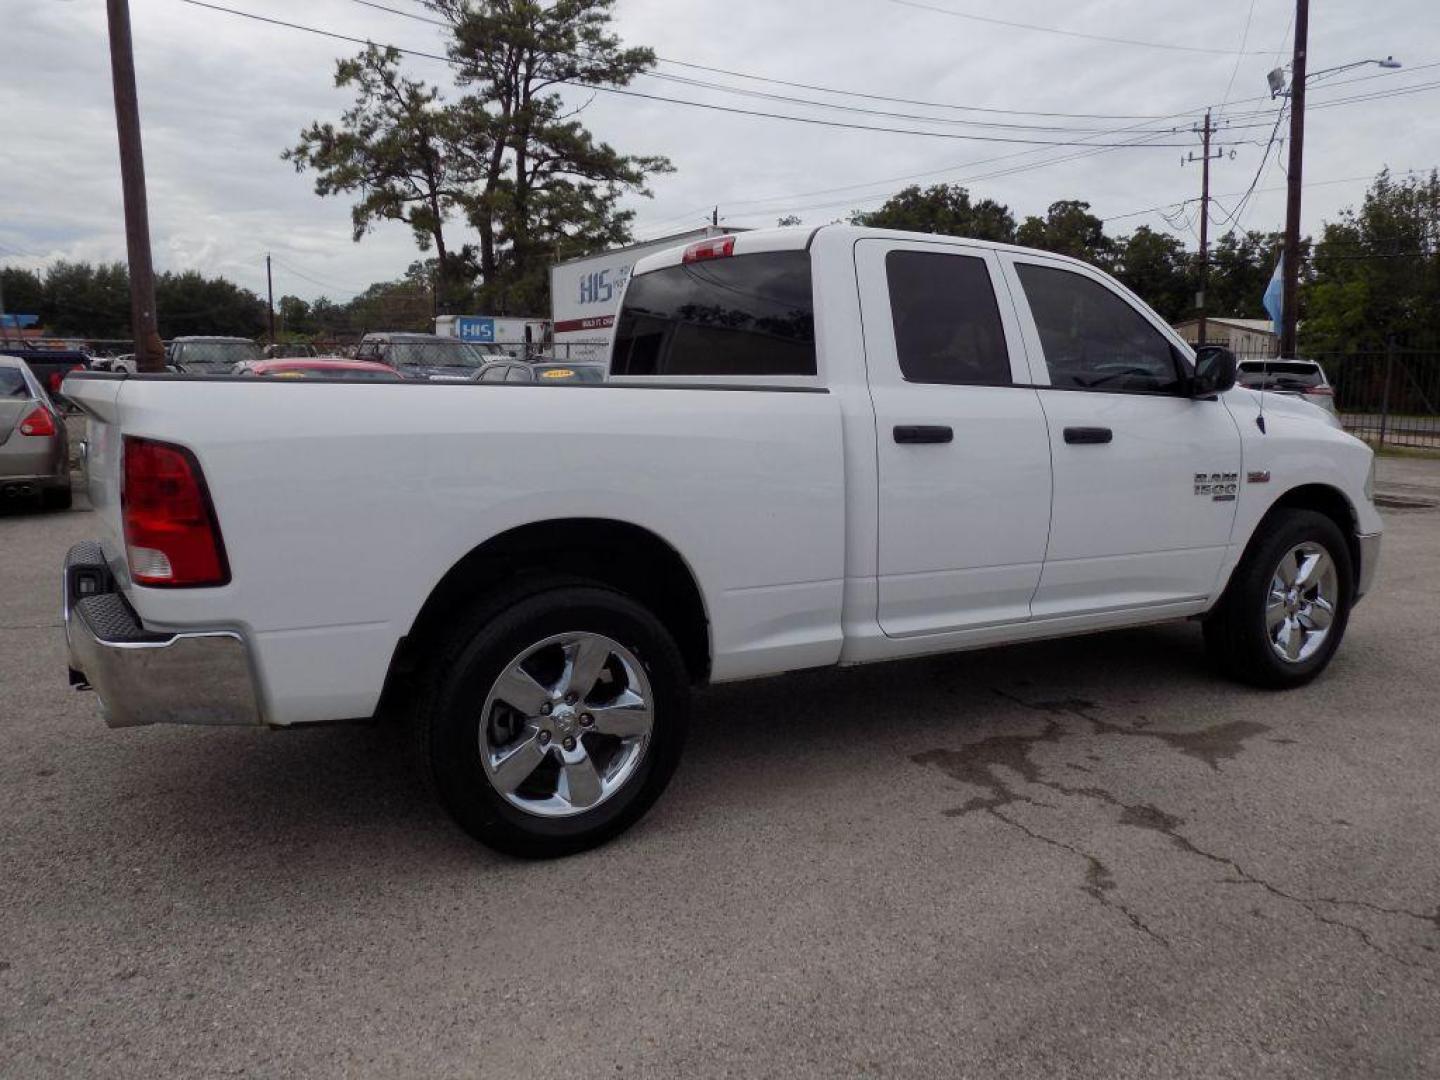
(1377, 270)
(23, 291)
(540, 186)
(1241, 265)
(189, 303)
(394, 147)
(87, 300)
(1069, 228)
(1159, 270)
(945, 209)
(294, 318)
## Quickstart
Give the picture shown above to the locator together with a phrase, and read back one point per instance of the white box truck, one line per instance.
(517, 335)
(585, 293)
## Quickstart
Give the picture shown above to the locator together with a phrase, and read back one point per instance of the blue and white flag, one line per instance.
(1274, 299)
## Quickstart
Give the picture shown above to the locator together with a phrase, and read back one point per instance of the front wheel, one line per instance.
(1286, 608)
(554, 720)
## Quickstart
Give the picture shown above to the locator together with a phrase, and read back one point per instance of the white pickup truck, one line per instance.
(816, 447)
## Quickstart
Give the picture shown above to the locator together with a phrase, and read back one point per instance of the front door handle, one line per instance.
(1088, 435)
(923, 433)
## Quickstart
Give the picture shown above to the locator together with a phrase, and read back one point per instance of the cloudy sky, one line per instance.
(221, 96)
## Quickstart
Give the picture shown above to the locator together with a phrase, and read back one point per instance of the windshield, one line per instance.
(12, 383)
(1280, 374)
(224, 354)
(440, 353)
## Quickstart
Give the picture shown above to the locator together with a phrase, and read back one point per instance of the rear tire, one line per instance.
(57, 498)
(579, 784)
(1285, 610)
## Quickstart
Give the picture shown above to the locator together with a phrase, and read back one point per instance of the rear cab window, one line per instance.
(742, 315)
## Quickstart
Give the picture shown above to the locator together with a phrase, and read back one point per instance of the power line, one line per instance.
(692, 65)
(1239, 57)
(1232, 194)
(710, 106)
(1069, 33)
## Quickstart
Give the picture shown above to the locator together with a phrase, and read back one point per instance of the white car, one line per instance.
(816, 447)
(1298, 378)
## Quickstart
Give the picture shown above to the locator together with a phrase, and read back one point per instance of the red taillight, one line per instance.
(718, 247)
(171, 535)
(39, 422)
(56, 378)
(1321, 391)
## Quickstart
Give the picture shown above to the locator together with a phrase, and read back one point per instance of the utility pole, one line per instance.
(149, 354)
(270, 292)
(1290, 302)
(1206, 130)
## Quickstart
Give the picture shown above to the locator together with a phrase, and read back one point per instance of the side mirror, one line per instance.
(1215, 369)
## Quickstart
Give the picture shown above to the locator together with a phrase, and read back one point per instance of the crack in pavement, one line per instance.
(977, 764)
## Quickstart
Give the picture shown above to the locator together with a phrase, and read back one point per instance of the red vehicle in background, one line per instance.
(321, 367)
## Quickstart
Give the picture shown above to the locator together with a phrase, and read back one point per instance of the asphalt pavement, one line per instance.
(1087, 858)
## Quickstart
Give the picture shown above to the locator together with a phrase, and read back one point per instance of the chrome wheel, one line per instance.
(1300, 608)
(566, 724)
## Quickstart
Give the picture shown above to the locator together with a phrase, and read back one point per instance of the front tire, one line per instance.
(1288, 603)
(554, 718)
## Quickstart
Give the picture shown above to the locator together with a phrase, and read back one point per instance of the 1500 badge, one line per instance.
(1220, 486)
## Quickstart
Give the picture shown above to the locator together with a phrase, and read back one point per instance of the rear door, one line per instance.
(1145, 476)
(964, 460)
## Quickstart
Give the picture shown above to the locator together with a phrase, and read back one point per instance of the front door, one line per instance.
(964, 460)
(1145, 476)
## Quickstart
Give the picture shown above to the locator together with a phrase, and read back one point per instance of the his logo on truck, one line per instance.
(603, 286)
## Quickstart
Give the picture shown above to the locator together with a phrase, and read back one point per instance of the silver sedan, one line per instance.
(34, 445)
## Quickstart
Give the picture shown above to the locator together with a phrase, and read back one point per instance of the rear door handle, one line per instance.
(923, 433)
(1088, 435)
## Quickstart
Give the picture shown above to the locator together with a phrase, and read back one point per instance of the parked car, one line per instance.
(34, 444)
(120, 362)
(427, 357)
(289, 350)
(210, 355)
(1299, 378)
(321, 367)
(816, 447)
(520, 371)
(49, 366)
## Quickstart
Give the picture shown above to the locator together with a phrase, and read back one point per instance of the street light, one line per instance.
(1278, 81)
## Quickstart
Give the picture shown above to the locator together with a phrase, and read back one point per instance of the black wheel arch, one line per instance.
(619, 555)
(1321, 498)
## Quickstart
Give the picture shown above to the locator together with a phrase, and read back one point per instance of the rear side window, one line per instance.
(12, 384)
(1093, 339)
(947, 324)
(743, 315)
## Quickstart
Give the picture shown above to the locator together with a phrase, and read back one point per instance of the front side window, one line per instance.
(1093, 339)
(947, 324)
(740, 315)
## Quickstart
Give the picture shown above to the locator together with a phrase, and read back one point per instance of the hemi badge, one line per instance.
(1261, 476)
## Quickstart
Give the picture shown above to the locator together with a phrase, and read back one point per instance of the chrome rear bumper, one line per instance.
(1369, 563)
(147, 677)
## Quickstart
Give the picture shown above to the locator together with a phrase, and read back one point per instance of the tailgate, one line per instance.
(97, 395)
